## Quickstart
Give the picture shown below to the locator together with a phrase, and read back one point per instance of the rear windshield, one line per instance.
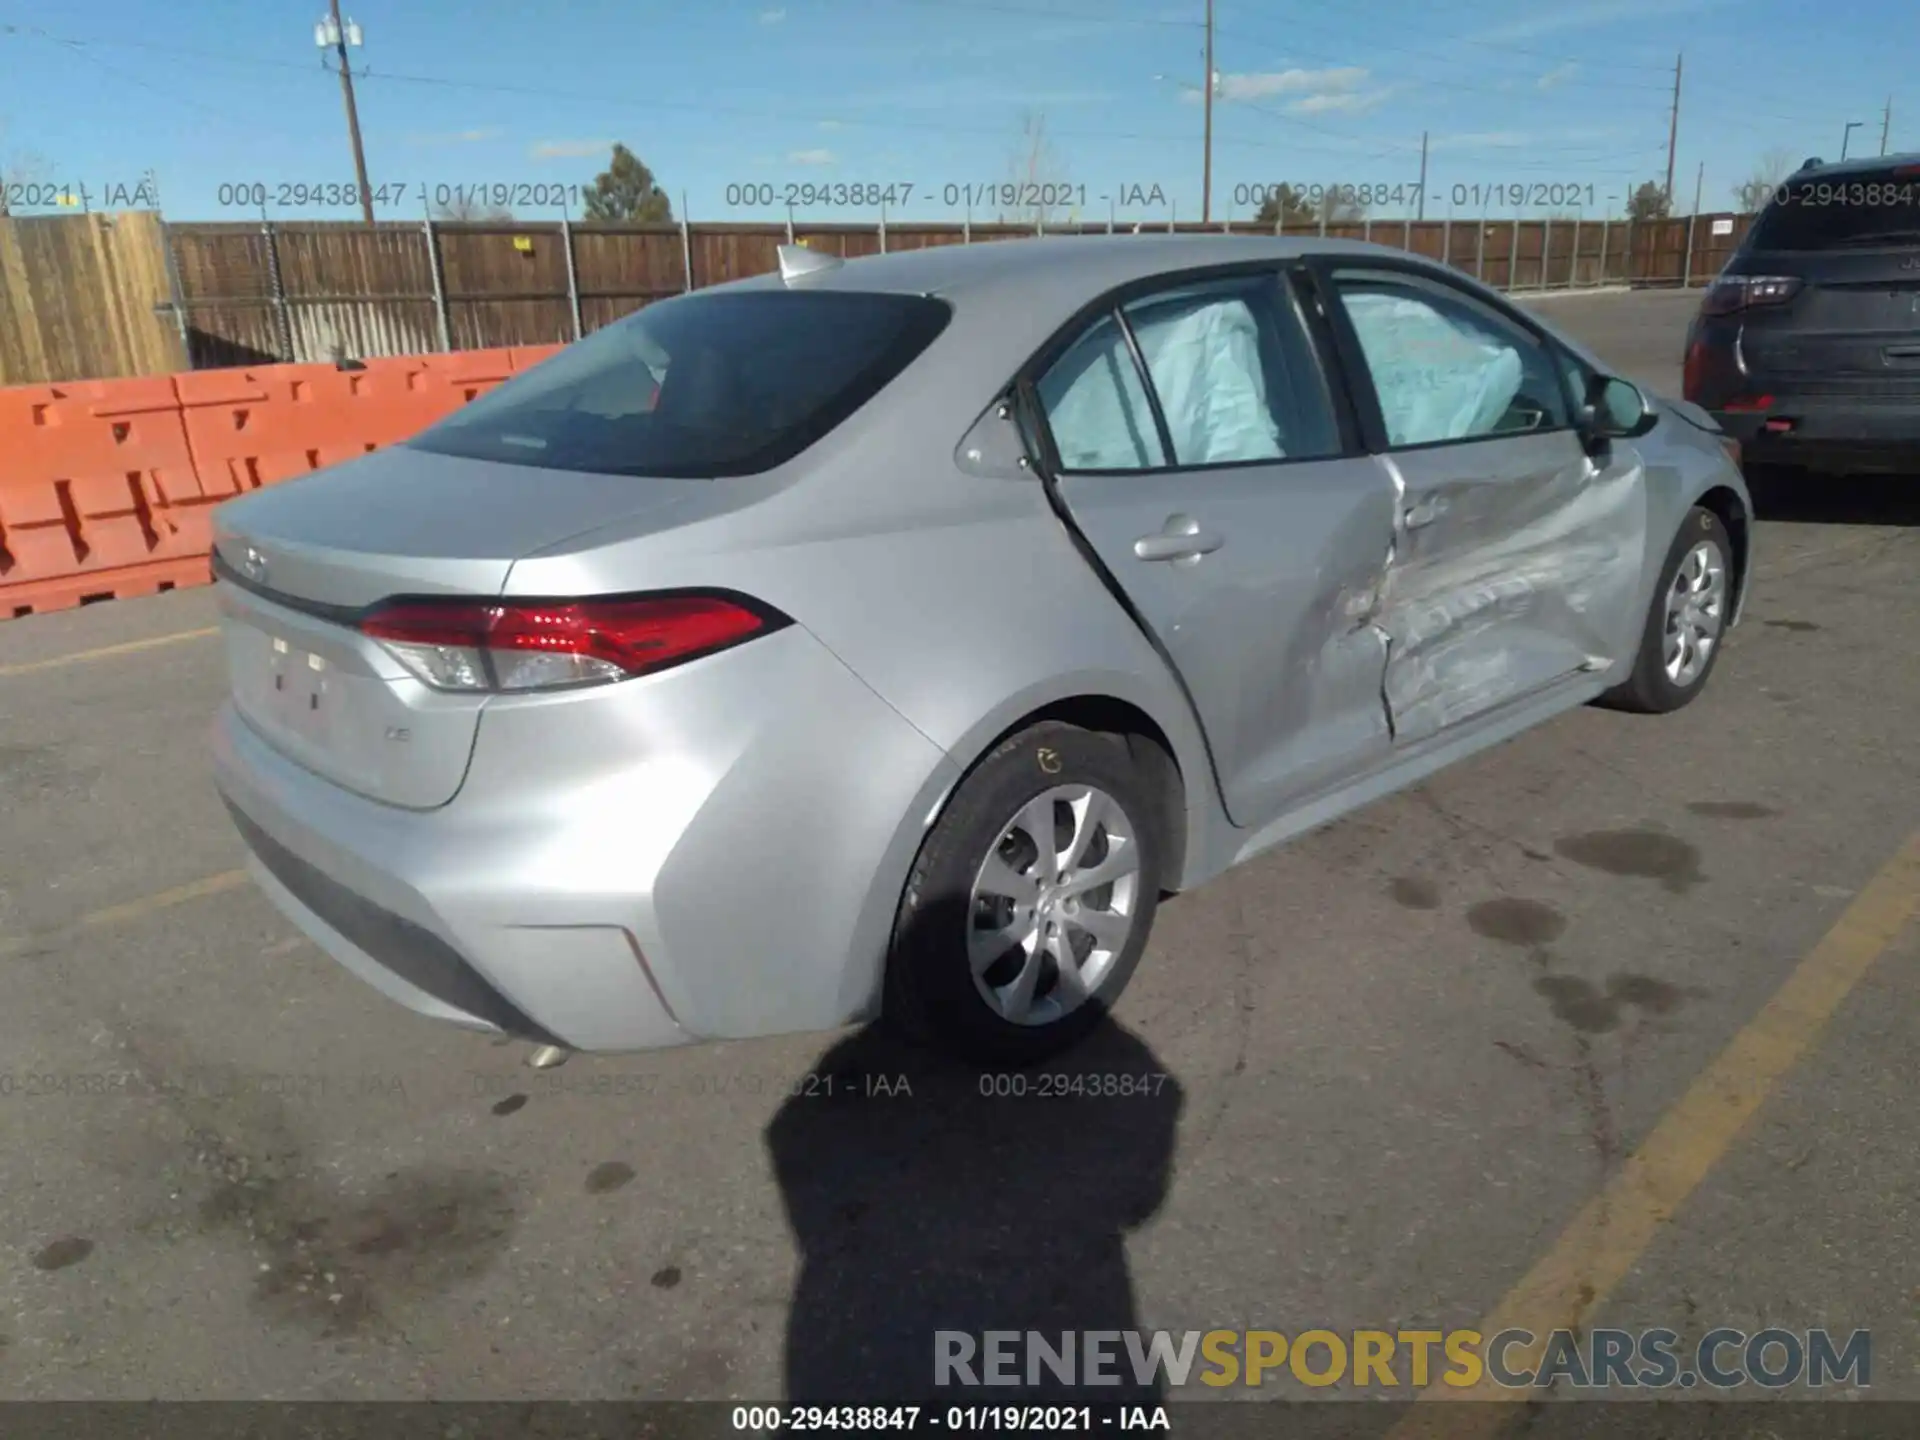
(727, 383)
(1851, 211)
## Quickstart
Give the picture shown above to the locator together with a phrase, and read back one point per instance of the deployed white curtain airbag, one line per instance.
(1437, 379)
(1205, 364)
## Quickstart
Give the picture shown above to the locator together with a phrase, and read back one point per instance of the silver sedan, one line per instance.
(892, 636)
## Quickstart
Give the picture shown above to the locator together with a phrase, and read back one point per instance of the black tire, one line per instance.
(929, 991)
(1649, 690)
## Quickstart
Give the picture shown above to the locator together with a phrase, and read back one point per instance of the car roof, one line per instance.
(1056, 272)
(1823, 169)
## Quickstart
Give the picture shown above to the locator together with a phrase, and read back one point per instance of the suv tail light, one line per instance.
(518, 645)
(1742, 292)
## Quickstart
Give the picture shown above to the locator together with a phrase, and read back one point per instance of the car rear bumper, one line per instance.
(712, 852)
(1829, 433)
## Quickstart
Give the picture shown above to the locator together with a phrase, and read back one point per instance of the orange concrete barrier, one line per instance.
(107, 487)
(255, 427)
(98, 494)
(527, 356)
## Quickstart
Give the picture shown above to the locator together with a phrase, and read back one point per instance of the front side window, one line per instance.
(730, 383)
(1446, 367)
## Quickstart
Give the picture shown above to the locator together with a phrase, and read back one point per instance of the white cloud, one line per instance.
(1261, 84)
(772, 17)
(833, 124)
(570, 149)
(1559, 75)
(458, 137)
(1339, 103)
(811, 157)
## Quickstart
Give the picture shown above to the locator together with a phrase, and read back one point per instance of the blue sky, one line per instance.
(935, 94)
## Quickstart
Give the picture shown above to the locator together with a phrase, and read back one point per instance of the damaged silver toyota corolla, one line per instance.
(890, 637)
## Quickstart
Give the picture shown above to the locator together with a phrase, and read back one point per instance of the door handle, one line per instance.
(1424, 513)
(1181, 539)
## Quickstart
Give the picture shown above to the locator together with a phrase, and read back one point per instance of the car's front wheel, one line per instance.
(1030, 902)
(1687, 621)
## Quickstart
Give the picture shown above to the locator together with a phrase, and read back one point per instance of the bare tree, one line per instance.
(17, 168)
(1344, 208)
(1753, 192)
(466, 207)
(1037, 185)
(1285, 205)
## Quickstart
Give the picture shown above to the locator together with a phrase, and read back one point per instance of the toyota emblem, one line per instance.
(254, 565)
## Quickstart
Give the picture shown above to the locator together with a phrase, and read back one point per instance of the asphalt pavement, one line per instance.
(1610, 1026)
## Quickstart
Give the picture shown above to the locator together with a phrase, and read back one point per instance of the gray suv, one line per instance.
(1807, 347)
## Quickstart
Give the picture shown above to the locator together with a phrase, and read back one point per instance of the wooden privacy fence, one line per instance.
(84, 297)
(127, 295)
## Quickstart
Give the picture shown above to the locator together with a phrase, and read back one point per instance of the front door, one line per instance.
(1517, 557)
(1196, 450)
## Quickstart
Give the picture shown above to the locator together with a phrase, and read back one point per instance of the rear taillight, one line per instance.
(1693, 371)
(510, 645)
(1742, 292)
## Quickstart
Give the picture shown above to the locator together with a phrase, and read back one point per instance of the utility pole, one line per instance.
(332, 33)
(1422, 213)
(1699, 180)
(1206, 166)
(1673, 125)
(1886, 124)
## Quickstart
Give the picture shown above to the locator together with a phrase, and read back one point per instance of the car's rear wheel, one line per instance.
(1687, 621)
(1031, 899)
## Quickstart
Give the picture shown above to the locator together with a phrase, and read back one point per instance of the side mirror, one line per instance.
(1616, 409)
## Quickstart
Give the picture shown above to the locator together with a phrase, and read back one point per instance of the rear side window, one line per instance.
(1098, 408)
(1232, 378)
(702, 385)
(1852, 211)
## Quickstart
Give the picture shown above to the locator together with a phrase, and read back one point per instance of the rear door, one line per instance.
(1193, 439)
(1853, 326)
(1517, 558)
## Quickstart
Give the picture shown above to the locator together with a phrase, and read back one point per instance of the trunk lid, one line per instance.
(300, 562)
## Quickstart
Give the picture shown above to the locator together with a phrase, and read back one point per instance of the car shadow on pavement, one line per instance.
(1836, 499)
(927, 1196)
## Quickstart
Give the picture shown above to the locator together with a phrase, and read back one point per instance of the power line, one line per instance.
(250, 62)
(1365, 151)
(1371, 45)
(1053, 13)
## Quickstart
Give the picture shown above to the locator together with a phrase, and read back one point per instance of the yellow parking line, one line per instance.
(129, 910)
(107, 652)
(1612, 1232)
